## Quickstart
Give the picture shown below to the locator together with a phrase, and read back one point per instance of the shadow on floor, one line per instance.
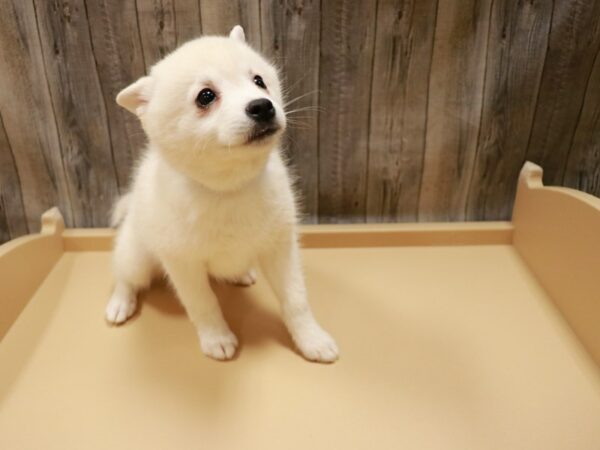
(252, 322)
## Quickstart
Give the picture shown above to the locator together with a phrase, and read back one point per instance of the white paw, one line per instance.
(246, 280)
(316, 344)
(120, 308)
(218, 344)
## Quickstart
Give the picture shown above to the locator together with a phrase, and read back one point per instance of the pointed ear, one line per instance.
(237, 33)
(136, 96)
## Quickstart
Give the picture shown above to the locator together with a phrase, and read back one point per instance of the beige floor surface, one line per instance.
(441, 348)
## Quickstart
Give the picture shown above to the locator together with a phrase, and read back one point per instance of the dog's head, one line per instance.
(213, 95)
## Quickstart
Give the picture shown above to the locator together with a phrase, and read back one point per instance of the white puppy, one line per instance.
(211, 196)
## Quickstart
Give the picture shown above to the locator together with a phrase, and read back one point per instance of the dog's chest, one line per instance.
(229, 226)
(235, 225)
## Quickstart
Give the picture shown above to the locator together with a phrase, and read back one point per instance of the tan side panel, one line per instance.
(88, 239)
(345, 235)
(24, 264)
(406, 235)
(557, 233)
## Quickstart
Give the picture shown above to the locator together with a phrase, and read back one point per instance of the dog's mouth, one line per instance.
(262, 132)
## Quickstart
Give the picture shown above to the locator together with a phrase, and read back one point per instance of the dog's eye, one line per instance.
(259, 82)
(205, 98)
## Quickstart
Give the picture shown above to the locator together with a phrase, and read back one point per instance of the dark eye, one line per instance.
(205, 98)
(259, 82)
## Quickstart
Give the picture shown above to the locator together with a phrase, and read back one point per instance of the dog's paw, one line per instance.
(218, 344)
(120, 308)
(316, 344)
(246, 280)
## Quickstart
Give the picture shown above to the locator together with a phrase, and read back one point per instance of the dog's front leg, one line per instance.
(281, 265)
(193, 288)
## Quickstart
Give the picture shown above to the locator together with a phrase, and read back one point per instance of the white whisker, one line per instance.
(294, 100)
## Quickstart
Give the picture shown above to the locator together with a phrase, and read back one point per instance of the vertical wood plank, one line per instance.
(454, 109)
(290, 36)
(347, 40)
(4, 211)
(583, 165)
(402, 62)
(158, 33)
(119, 57)
(166, 24)
(515, 59)
(573, 43)
(13, 222)
(79, 108)
(220, 17)
(188, 22)
(28, 118)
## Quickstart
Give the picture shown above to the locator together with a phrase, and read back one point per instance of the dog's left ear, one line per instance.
(237, 33)
(136, 96)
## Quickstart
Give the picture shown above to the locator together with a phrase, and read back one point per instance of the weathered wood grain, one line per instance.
(219, 17)
(345, 70)
(156, 20)
(28, 118)
(454, 108)
(399, 96)
(290, 37)
(583, 165)
(4, 227)
(79, 109)
(515, 58)
(573, 43)
(13, 222)
(166, 24)
(415, 110)
(188, 21)
(119, 60)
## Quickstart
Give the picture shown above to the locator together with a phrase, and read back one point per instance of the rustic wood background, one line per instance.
(423, 109)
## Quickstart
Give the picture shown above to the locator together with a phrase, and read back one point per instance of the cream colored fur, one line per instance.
(206, 202)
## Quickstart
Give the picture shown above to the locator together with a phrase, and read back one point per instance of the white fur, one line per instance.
(206, 202)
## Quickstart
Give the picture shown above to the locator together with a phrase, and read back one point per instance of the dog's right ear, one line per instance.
(237, 33)
(136, 96)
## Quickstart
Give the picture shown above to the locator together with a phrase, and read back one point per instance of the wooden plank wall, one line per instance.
(413, 110)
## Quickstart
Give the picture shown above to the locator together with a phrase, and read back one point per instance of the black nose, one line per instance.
(260, 110)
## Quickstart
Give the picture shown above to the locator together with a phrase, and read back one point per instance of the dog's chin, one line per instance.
(263, 135)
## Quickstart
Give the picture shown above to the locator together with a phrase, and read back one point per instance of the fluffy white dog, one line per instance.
(211, 196)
